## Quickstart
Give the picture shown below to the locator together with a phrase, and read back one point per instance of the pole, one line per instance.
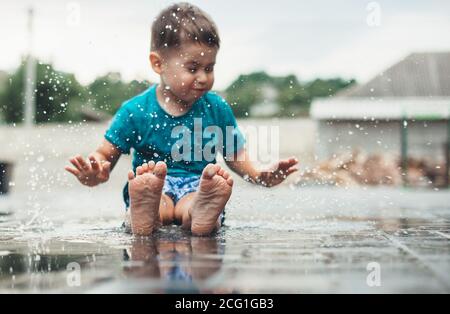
(30, 77)
(447, 157)
(404, 150)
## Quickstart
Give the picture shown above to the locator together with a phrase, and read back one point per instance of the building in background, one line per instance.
(403, 110)
(268, 107)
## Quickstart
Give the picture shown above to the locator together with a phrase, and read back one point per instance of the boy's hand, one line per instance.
(278, 173)
(90, 173)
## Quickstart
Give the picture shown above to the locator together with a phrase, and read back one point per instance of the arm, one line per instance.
(275, 175)
(97, 168)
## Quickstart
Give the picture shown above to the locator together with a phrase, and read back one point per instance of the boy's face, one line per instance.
(188, 72)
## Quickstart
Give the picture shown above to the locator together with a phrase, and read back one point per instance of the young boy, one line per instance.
(167, 186)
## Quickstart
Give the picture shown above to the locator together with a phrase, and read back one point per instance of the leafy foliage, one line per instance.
(293, 97)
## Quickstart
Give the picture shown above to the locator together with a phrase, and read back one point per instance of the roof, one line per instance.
(418, 75)
(417, 87)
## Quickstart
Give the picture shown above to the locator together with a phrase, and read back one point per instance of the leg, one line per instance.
(182, 212)
(182, 215)
(201, 249)
(200, 211)
(166, 210)
(169, 249)
(144, 251)
(145, 197)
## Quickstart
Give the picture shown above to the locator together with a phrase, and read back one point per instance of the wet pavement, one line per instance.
(289, 239)
(286, 240)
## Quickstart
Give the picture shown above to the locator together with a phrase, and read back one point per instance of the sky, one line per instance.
(349, 39)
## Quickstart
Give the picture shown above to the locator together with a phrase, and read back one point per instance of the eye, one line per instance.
(192, 70)
(209, 69)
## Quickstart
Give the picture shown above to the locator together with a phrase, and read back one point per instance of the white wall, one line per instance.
(425, 139)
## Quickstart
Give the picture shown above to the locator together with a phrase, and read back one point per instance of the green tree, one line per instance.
(328, 88)
(59, 96)
(245, 92)
(107, 93)
(293, 97)
(4, 78)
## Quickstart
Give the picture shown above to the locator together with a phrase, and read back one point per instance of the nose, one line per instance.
(201, 77)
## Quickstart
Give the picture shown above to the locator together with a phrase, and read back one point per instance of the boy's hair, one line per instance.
(181, 23)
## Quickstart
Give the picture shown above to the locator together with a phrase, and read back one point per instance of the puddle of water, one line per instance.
(168, 261)
(14, 264)
(278, 244)
(389, 224)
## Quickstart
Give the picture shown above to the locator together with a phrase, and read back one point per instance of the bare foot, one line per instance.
(212, 196)
(145, 196)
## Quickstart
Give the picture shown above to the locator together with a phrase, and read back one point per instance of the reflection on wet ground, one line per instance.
(183, 265)
(286, 240)
(162, 264)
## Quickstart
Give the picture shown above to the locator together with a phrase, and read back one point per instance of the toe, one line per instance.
(151, 166)
(130, 175)
(160, 170)
(210, 171)
(221, 172)
(139, 171)
(225, 175)
(145, 168)
(230, 181)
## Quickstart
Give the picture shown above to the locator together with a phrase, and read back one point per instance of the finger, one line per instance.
(75, 172)
(284, 173)
(283, 164)
(84, 165)
(291, 171)
(282, 169)
(94, 163)
(286, 164)
(291, 161)
(75, 163)
(106, 167)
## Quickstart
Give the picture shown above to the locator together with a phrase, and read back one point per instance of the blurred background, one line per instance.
(360, 91)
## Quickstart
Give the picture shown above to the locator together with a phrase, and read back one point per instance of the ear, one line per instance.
(156, 62)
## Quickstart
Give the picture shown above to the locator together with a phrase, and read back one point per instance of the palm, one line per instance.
(92, 177)
(90, 173)
(279, 172)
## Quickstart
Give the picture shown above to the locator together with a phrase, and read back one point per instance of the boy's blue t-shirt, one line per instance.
(142, 125)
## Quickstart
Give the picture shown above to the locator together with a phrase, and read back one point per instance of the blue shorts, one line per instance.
(176, 188)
